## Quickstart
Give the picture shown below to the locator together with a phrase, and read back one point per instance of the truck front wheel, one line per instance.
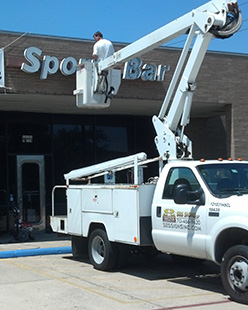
(102, 253)
(234, 273)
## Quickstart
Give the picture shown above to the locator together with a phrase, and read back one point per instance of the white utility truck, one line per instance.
(193, 208)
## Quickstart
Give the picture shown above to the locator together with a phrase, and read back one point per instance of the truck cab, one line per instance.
(199, 208)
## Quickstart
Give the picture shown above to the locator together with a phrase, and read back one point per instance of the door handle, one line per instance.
(158, 211)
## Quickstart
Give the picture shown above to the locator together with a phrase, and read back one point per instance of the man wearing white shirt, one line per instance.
(102, 48)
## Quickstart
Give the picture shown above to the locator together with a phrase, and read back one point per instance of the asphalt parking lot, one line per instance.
(61, 282)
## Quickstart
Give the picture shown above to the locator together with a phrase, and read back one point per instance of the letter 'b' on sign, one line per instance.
(132, 69)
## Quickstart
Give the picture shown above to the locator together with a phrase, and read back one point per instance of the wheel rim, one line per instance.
(238, 273)
(98, 249)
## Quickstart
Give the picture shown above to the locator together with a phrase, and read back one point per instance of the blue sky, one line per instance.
(119, 21)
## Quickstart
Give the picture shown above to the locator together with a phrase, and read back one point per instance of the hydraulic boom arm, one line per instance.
(98, 83)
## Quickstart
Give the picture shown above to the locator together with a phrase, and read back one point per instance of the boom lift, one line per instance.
(98, 83)
(195, 209)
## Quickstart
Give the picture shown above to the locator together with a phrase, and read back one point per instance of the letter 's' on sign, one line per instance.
(31, 54)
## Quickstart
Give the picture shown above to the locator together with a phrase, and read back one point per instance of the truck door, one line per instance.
(180, 228)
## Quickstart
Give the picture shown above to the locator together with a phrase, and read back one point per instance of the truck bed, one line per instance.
(124, 210)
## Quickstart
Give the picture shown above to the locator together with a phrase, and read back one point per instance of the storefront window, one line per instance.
(29, 134)
(66, 142)
(2, 154)
(73, 148)
(111, 142)
(3, 187)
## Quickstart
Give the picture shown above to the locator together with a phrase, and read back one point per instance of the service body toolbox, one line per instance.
(118, 206)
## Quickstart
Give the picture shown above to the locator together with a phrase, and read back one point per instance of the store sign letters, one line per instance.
(49, 65)
(133, 69)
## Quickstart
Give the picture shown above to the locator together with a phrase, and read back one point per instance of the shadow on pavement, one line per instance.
(36, 237)
(205, 276)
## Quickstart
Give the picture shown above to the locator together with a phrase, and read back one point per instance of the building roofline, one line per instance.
(55, 37)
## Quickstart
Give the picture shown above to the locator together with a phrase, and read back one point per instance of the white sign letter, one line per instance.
(50, 66)
(132, 69)
(68, 66)
(149, 72)
(161, 72)
(30, 54)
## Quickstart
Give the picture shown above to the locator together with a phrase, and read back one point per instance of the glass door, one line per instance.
(31, 189)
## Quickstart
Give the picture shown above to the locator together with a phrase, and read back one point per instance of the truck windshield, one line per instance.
(224, 180)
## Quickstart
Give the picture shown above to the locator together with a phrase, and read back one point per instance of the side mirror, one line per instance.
(182, 195)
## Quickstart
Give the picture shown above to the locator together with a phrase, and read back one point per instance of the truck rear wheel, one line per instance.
(102, 253)
(234, 273)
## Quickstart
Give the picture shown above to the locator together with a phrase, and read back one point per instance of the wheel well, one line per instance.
(229, 238)
(94, 226)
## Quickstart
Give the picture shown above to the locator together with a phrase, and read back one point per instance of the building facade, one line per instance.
(44, 135)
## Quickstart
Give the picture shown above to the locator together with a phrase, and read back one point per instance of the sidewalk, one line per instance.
(43, 244)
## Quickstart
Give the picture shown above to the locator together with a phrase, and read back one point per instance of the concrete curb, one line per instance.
(35, 252)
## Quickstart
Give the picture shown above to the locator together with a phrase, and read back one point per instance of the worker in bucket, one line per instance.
(103, 48)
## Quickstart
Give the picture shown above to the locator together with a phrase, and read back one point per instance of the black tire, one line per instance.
(79, 246)
(102, 253)
(234, 273)
(23, 235)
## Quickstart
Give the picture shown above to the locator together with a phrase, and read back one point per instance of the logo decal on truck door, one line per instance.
(169, 216)
(181, 220)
